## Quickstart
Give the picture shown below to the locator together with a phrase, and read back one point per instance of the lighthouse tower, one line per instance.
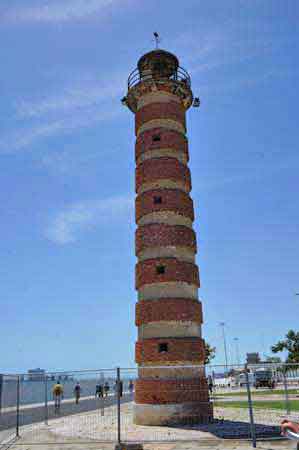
(171, 385)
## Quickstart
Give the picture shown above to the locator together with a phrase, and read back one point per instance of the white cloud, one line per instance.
(198, 47)
(249, 82)
(210, 47)
(58, 11)
(68, 160)
(67, 225)
(256, 174)
(25, 138)
(79, 105)
(71, 98)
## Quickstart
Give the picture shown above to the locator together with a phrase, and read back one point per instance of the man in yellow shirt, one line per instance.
(57, 394)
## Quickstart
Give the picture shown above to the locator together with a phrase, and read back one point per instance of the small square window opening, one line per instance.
(156, 138)
(163, 347)
(157, 200)
(160, 270)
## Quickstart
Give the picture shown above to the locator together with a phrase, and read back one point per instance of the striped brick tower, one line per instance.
(171, 385)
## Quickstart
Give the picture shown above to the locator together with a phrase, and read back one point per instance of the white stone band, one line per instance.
(169, 329)
(167, 217)
(158, 153)
(169, 124)
(163, 184)
(181, 253)
(171, 289)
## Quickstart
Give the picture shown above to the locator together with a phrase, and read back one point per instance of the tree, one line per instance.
(273, 359)
(210, 353)
(291, 345)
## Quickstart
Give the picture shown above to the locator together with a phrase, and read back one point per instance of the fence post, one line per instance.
(103, 393)
(46, 400)
(18, 408)
(285, 385)
(118, 404)
(1, 388)
(252, 426)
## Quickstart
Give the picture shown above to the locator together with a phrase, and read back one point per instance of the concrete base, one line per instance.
(183, 413)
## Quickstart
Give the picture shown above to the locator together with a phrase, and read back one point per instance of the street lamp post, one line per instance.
(237, 350)
(222, 324)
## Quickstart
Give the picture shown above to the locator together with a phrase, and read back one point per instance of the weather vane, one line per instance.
(157, 39)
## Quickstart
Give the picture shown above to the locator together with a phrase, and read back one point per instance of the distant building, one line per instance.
(218, 375)
(225, 381)
(64, 377)
(253, 358)
(36, 374)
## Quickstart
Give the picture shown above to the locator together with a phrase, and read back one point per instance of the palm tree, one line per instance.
(291, 345)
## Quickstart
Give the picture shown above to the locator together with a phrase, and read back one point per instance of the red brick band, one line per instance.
(168, 309)
(168, 139)
(173, 200)
(170, 110)
(160, 392)
(163, 235)
(149, 271)
(163, 168)
(179, 349)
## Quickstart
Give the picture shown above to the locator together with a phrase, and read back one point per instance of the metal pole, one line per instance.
(18, 408)
(250, 409)
(1, 388)
(222, 324)
(46, 400)
(237, 350)
(102, 398)
(285, 385)
(118, 404)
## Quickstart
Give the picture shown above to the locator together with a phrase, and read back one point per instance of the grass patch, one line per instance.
(258, 392)
(271, 404)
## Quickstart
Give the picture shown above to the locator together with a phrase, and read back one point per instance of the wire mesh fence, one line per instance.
(146, 404)
(8, 407)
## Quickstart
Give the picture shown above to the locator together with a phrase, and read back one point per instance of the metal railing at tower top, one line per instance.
(179, 74)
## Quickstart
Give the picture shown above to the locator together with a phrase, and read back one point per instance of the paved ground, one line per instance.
(79, 431)
(192, 445)
(93, 426)
(30, 414)
(243, 398)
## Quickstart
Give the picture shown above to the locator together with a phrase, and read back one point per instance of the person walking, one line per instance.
(106, 388)
(77, 392)
(120, 388)
(99, 391)
(131, 387)
(210, 384)
(58, 395)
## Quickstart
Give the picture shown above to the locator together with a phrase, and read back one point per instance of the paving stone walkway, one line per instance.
(192, 445)
(81, 431)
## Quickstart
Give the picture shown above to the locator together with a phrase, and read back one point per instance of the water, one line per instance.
(32, 392)
(35, 391)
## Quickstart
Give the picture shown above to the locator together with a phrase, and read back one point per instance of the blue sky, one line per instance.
(67, 178)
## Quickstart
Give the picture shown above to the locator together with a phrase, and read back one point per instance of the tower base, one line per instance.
(171, 414)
